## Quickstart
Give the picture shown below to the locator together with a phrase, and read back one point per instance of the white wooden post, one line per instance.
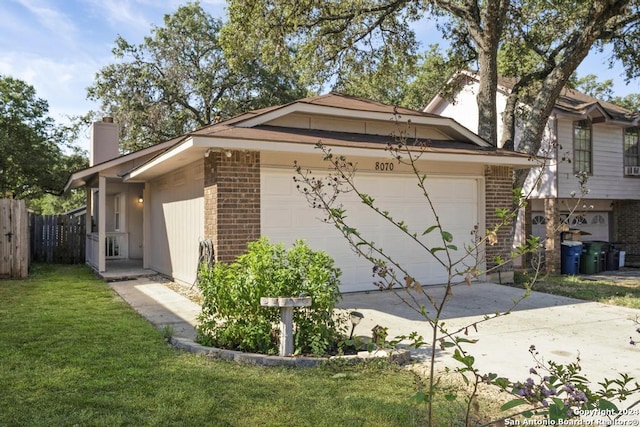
(146, 226)
(286, 318)
(102, 221)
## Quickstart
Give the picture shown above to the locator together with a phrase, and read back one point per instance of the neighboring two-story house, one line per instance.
(584, 135)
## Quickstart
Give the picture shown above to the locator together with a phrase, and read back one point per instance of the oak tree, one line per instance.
(33, 153)
(178, 79)
(543, 42)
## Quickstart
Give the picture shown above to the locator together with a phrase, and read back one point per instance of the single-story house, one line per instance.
(231, 182)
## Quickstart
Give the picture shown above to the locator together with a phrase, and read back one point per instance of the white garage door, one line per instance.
(286, 216)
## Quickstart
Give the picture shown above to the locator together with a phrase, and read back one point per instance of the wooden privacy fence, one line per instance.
(14, 239)
(58, 238)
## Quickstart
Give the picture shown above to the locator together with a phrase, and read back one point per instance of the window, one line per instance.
(539, 220)
(631, 155)
(579, 220)
(116, 210)
(598, 219)
(582, 146)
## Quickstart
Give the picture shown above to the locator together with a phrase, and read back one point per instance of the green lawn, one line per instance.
(623, 292)
(73, 353)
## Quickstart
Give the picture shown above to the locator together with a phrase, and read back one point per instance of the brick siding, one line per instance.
(626, 217)
(232, 202)
(498, 194)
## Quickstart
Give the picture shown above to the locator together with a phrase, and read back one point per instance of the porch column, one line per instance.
(552, 242)
(102, 226)
(88, 203)
(146, 225)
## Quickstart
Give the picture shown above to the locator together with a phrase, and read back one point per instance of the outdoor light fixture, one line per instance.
(140, 199)
(227, 153)
(355, 317)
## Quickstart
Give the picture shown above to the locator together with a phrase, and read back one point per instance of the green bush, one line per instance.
(233, 318)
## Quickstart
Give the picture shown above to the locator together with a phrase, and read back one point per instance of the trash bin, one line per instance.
(570, 257)
(604, 254)
(613, 257)
(592, 258)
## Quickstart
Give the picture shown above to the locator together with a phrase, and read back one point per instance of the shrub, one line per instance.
(233, 318)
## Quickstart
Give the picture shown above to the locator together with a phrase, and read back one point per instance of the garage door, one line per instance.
(286, 216)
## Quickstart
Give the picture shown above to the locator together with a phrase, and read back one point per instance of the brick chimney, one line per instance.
(104, 141)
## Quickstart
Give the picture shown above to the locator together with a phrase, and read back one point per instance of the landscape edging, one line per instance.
(400, 356)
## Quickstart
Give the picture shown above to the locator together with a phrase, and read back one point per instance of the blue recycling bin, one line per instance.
(570, 253)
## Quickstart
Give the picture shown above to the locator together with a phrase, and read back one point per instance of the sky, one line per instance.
(58, 46)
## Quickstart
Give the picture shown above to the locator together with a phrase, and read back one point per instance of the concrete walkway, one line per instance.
(161, 306)
(560, 328)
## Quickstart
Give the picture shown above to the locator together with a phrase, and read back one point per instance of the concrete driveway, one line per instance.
(560, 328)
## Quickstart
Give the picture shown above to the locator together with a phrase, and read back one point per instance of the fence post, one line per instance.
(14, 238)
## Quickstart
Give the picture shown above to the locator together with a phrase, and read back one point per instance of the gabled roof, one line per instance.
(570, 101)
(262, 130)
(344, 106)
(82, 177)
(576, 102)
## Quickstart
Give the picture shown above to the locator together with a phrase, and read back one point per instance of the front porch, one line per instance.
(114, 238)
(124, 269)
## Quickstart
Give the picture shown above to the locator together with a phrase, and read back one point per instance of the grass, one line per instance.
(622, 292)
(73, 353)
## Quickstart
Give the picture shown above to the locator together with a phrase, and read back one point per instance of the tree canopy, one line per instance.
(542, 43)
(603, 90)
(410, 82)
(179, 79)
(33, 161)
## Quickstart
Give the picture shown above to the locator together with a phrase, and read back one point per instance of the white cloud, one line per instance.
(125, 13)
(61, 83)
(51, 19)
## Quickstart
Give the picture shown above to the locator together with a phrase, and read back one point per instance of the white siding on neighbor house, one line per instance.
(177, 222)
(464, 109)
(607, 180)
(541, 181)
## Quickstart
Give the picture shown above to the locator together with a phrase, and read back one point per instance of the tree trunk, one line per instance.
(487, 114)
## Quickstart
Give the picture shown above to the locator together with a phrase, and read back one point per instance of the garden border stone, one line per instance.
(399, 356)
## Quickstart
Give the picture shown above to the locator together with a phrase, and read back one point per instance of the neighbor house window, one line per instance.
(582, 146)
(631, 154)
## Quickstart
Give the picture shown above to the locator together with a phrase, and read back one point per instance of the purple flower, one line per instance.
(580, 396)
(533, 371)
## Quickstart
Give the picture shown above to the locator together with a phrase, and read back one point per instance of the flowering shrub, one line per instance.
(233, 318)
(560, 391)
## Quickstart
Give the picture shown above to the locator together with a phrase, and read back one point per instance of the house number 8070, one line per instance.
(384, 166)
